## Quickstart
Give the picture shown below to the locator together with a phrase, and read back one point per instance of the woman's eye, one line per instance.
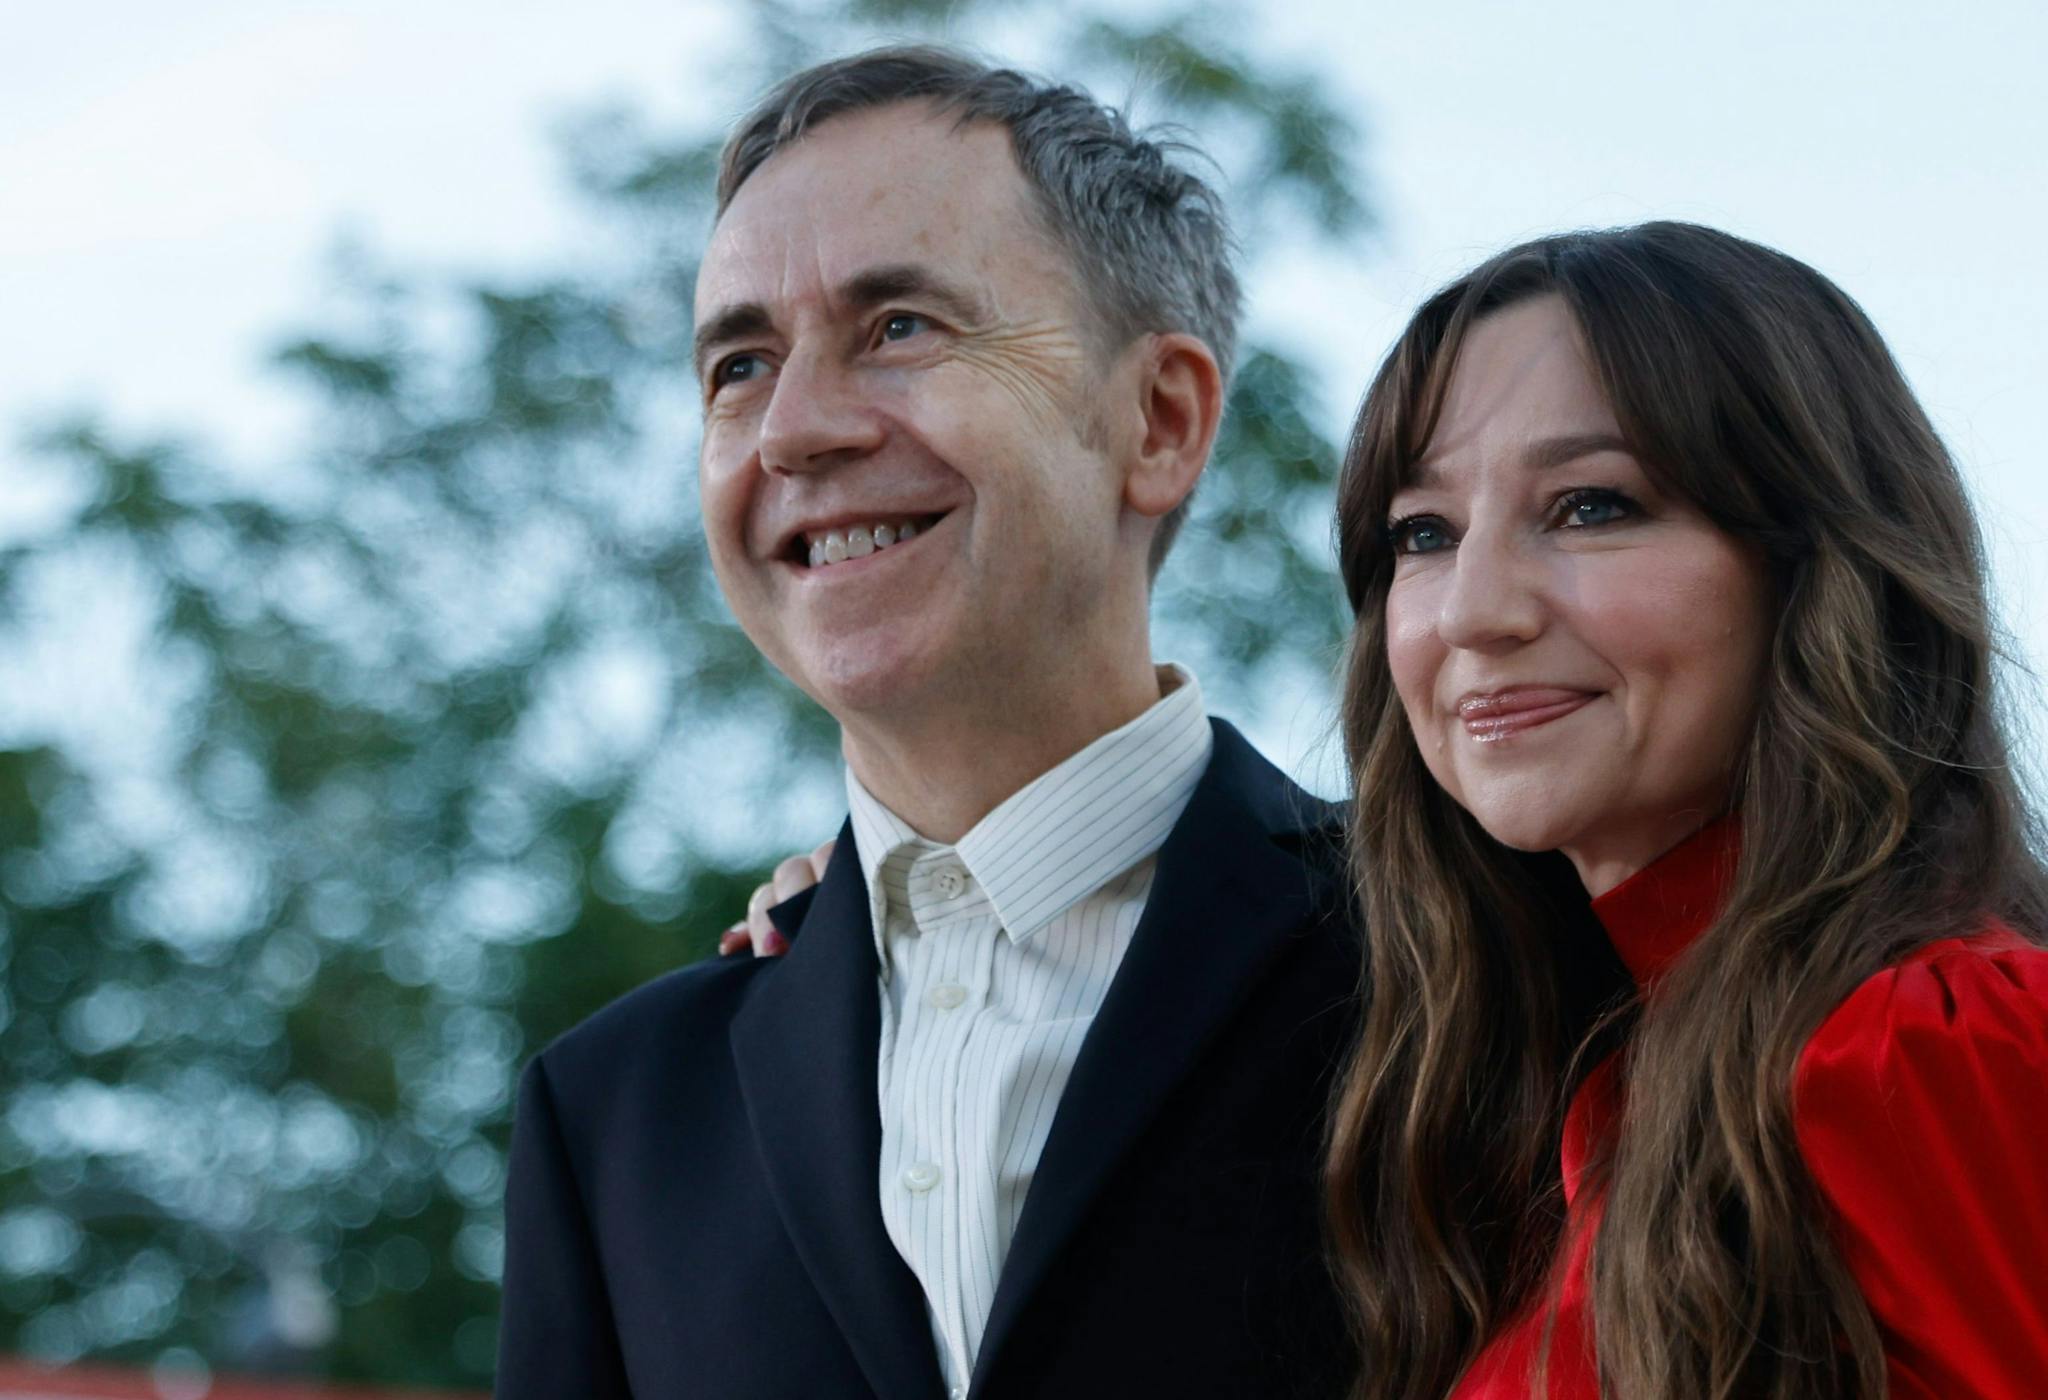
(903, 325)
(1579, 509)
(1418, 534)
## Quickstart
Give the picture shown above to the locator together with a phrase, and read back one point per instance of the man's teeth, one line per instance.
(838, 546)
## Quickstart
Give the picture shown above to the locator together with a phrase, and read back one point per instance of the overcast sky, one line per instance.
(173, 177)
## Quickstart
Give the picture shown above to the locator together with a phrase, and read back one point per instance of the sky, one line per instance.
(174, 181)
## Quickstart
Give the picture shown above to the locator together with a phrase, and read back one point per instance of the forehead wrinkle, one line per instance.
(973, 196)
(761, 271)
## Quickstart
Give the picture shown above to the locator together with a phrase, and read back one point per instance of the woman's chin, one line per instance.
(1533, 839)
(1525, 826)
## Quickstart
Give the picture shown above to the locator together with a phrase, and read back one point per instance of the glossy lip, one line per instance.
(1493, 715)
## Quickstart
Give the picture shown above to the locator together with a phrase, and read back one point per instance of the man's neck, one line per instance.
(944, 775)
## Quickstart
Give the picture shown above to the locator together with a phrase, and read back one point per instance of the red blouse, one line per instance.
(1916, 1105)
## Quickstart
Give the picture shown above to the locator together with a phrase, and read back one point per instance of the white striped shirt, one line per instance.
(995, 955)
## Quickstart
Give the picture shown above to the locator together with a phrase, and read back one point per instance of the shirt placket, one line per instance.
(975, 1118)
(957, 942)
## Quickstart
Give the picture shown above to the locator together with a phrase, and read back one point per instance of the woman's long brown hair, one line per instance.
(1878, 808)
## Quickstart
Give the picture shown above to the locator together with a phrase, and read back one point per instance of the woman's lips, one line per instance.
(1501, 714)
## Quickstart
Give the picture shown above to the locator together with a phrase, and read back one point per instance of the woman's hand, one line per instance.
(792, 877)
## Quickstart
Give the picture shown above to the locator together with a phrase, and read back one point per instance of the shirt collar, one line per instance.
(1069, 831)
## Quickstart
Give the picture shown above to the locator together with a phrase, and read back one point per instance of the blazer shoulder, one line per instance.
(678, 1012)
(1310, 827)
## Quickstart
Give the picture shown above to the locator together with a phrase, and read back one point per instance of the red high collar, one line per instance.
(1654, 915)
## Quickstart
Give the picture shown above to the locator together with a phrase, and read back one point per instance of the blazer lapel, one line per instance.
(1227, 895)
(804, 1048)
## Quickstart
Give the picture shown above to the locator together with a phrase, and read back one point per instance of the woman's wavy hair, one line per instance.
(1878, 809)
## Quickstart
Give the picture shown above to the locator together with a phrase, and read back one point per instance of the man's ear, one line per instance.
(1180, 389)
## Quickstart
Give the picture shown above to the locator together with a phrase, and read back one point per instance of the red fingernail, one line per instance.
(774, 945)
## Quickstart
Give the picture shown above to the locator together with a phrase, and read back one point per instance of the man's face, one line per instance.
(890, 346)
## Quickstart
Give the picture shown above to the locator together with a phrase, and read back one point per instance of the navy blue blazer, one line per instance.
(693, 1207)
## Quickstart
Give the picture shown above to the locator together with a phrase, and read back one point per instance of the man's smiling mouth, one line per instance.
(819, 549)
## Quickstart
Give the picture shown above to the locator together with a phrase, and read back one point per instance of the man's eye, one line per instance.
(903, 325)
(735, 369)
(1418, 534)
(1592, 506)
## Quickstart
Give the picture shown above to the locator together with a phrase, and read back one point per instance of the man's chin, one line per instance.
(871, 685)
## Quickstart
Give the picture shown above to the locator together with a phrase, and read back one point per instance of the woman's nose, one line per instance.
(1494, 597)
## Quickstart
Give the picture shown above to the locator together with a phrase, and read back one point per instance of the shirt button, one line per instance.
(946, 995)
(921, 1178)
(958, 1392)
(949, 881)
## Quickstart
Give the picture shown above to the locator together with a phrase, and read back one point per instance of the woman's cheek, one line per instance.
(1415, 657)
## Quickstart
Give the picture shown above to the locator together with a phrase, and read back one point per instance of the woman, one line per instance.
(1660, 573)
(1658, 565)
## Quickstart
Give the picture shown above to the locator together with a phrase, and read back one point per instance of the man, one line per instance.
(1032, 1106)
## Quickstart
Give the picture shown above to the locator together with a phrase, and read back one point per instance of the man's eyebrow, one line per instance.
(878, 286)
(1545, 454)
(748, 318)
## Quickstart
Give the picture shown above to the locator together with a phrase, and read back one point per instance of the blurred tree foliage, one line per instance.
(326, 798)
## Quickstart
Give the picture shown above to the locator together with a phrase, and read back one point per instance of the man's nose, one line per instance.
(817, 417)
(1495, 597)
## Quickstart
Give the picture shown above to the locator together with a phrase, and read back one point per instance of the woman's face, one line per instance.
(1579, 653)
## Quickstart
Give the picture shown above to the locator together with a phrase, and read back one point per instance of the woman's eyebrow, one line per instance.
(1546, 453)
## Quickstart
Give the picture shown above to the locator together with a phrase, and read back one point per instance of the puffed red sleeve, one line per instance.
(1921, 1107)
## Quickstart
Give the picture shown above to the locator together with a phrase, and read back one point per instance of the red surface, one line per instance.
(1917, 1106)
(20, 1379)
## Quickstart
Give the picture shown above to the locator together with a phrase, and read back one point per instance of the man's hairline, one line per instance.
(1107, 339)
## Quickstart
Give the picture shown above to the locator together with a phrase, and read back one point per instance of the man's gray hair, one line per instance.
(1148, 238)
